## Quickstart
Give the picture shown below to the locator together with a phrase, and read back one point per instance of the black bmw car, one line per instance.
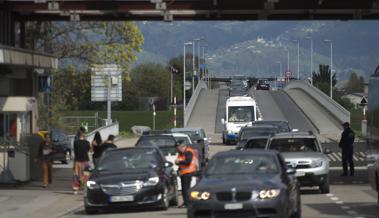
(131, 177)
(244, 184)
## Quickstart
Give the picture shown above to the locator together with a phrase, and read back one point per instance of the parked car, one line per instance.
(62, 146)
(199, 141)
(282, 125)
(246, 184)
(304, 152)
(129, 178)
(252, 131)
(256, 142)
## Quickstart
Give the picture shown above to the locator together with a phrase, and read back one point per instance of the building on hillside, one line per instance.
(356, 98)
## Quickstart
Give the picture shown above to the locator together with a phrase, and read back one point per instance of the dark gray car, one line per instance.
(248, 183)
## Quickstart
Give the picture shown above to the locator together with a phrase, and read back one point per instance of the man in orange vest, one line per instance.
(188, 166)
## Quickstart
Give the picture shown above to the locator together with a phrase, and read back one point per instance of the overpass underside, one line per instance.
(192, 9)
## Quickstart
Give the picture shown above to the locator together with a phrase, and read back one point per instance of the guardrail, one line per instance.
(336, 110)
(192, 102)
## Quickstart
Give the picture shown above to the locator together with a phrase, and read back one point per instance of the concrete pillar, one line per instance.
(364, 128)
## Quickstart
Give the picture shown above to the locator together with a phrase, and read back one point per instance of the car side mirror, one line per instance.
(168, 164)
(291, 171)
(295, 130)
(327, 151)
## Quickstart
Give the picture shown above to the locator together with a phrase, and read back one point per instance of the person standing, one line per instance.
(45, 154)
(188, 167)
(346, 145)
(96, 147)
(109, 143)
(81, 162)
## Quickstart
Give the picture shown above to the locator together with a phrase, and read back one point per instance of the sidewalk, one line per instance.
(32, 201)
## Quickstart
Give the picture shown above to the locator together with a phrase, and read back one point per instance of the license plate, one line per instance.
(127, 198)
(299, 173)
(235, 206)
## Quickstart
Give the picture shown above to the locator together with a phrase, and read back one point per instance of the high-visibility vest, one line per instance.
(192, 167)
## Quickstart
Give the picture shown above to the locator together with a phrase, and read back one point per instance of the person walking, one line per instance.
(45, 156)
(188, 166)
(81, 162)
(96, 147)
(109, 143)
(346, 145)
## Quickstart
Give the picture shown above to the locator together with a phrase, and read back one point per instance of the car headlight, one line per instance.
(152, 181)
(268, 194)
(196, 195)
(92, 184)
(316, 163)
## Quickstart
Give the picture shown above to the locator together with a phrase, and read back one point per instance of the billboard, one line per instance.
(106, 79)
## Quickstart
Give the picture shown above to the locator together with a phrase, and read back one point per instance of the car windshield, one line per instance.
(157, 141)
(168, 151)
(256, 143)
(184, 139)
(128, 160)
(241, 114)
(194, 135)
(251, 132)
(242, 164)
(294, 145)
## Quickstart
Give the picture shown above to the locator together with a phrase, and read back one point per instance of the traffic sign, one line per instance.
(288, 73)
(188, 85)
(364, 101)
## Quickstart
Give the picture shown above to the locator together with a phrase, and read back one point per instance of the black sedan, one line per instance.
(256, 142)
(253, 131)
(246, 184)
(131, 177)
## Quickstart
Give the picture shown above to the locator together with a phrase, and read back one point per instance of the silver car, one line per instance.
(303, 152)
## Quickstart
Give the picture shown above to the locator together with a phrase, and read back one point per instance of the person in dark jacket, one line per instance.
(81, 162)
(45, 156)
(96, 147)
(346, 145)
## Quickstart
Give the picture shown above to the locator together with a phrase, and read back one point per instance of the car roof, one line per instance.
(158, 136)
(270, 121)
(176, 134)
(259, 127)
(294, 135)
(186, 129)
(249, 151)
(258, 137)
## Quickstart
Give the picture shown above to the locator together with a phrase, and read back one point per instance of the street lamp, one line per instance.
(193, 63)
(298, 57)
(311, 40)
(328, 41)
(184, 80)
(288, 60)
(280, 72)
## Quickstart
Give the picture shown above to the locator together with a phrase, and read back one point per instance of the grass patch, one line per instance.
(356, 117)
(127, 119)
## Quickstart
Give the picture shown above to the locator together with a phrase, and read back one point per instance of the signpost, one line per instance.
(106, 85)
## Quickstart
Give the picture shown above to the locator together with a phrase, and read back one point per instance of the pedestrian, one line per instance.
(109, 143)
(346, 145)
(188, 166)
(81, 162)
(45, 156)
(96, 147)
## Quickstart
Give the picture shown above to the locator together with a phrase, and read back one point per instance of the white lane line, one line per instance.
(339, 202)
(330, 195)
(356, 168)
(339, 156)
(331, 157)
(336, 156)
(334, 198)
(362, 159)
(351, 212)
(363, 154)
(355, 158)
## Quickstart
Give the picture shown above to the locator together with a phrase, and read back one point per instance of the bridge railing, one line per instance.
(336, 110)
(192, 102)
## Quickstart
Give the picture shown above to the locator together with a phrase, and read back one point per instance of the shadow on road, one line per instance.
(367, 210)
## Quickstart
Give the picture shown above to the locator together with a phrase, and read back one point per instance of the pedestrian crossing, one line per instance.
(337, 156)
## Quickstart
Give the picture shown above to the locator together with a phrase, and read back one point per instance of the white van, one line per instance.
(240, 111)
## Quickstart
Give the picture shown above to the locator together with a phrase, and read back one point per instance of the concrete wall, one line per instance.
(191, 104)
(336, 110)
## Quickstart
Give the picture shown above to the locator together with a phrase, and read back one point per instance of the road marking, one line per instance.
(334, 198)
(339, 202)
(363, 154)
(356, 168)
(330, 195)
(331, 157)
(346, 207)
(351, 212)
(355, 158)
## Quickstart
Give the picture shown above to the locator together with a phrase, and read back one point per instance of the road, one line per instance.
(350, 197)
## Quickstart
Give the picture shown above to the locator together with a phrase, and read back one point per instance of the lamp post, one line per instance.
(280, 72)
(193, 64)
(298, 58)
(328, 41)
(311, 40)
(184, 80)
(288, 60)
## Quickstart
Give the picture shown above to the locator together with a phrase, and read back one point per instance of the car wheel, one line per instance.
(297, 212)
(174, 200)
(325, 187)
(165, 201)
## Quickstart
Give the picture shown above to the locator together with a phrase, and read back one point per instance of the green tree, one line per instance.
(355, 83)
(321, 79)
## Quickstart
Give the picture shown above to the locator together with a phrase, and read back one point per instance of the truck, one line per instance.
(373, 131)
(240, 111)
